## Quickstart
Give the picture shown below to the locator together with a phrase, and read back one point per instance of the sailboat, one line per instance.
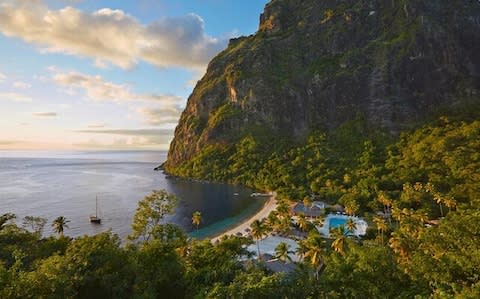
(95, 219)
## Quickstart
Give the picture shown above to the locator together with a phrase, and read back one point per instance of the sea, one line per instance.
(49, 184)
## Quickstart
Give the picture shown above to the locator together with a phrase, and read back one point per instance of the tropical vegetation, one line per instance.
(420, 196)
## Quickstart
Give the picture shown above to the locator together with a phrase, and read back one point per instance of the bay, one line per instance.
(51, 184)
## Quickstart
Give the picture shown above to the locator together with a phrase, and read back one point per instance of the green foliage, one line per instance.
(365, 272)
(150, 212)
(415, 181)
(426, 185)
(34, 224)
(208, 164)
(254, 284)
(209, 265)
(160, 271)
(221, 114)
(196, 218)
(446, 155)
(326, 65)
(447, 256)
(91, 267)
(5, 219)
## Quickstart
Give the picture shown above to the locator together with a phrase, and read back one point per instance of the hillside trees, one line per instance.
(150, 213)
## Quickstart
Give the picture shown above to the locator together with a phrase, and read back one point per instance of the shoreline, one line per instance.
(270, 205)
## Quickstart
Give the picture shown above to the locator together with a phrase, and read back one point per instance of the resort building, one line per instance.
(314, 211)
(277, 266)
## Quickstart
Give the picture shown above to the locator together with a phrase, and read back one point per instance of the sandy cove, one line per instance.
(269, 206)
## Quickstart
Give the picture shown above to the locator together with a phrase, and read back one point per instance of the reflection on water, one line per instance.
(65, 184)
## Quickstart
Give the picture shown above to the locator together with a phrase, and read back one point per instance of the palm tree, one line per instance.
(450, 203)
(351, 225)
(400, 244)
(302, 248)
(196, 218)
(387, 204)
(399, 215)
(284, 225)
(439, 200)
(351, 207)
(282, 208)
(313, 249)
(272, 221)
(340, 235)
(281, 252)
(302, 222)
(59, 224)
(381, 225)
(258, 231)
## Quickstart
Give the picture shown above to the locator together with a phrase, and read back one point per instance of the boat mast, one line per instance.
(96, 206)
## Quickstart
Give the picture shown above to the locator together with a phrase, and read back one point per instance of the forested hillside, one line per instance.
(318, 67)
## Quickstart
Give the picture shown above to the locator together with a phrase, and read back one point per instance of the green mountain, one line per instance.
(352, 70)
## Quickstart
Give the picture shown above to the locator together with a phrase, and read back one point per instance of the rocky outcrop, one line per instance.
(317, 64)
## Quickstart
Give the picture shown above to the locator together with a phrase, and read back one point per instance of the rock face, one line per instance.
(314, 65)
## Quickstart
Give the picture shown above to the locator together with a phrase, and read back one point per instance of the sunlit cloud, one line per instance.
(10, 142)
(44, 114)
(14, 97)
(129, 138)
(21, 85)
(110, 36)
(97, 125)
(160, 116)
(2, 77)
(130, 132)
(31, 144)
(96, 88)
(160, 142)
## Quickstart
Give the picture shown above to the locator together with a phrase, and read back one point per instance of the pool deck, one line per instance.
(268, 245)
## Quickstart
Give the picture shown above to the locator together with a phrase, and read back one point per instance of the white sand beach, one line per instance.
(269, 206)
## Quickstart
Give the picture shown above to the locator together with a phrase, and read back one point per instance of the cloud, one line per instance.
(15, 97)
(111, 36)
(21, 85)
(44, 114)
(160, 116)
(128, 143)
(182, 40)
(31, 145)
(97, 125)
(2, 77)
(97, 88)
(130, 132)
(130, 138)
(10, 142)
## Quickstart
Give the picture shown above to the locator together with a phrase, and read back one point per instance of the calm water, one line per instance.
(52, 184)
(337, 222)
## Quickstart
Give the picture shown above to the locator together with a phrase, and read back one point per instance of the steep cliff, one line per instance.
(315, 65)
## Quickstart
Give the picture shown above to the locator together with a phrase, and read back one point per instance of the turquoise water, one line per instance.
(336, 222)
(228, 223)
(52, 184)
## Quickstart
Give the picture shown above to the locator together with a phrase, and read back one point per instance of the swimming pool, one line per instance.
(335, 222)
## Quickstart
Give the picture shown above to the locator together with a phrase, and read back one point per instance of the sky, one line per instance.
(107, 74)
